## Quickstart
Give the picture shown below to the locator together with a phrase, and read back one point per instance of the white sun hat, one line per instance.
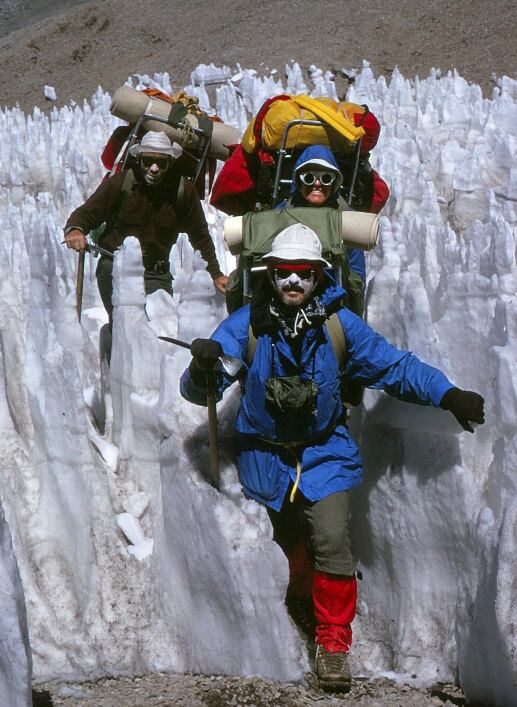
(154, 141)
(296, 242)
(319, 165)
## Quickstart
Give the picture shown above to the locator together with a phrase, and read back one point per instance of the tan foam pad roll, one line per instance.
(233, 234)
(129, 104)
(360, 230)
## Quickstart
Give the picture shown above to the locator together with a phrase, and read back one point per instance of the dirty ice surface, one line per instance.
(130, 561)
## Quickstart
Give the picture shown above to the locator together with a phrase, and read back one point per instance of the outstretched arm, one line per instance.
(375, 363)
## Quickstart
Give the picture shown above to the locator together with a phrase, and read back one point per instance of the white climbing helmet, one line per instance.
(296, 242)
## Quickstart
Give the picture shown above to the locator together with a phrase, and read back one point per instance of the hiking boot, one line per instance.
(301, 610)
(333, 670)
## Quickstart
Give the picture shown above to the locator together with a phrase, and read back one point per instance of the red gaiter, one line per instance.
(335, 600)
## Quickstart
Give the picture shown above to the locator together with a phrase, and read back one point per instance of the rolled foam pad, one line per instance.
(129, 104)
(359, 229)
(233, 234)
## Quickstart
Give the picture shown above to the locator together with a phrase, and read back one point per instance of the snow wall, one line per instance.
(15, 656)
(130, 561)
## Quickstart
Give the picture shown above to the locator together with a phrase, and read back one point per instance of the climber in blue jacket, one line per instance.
(294, 454)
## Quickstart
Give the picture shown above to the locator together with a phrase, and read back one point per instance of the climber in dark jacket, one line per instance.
(160, 204)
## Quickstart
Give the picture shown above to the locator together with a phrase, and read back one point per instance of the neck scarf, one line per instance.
(294, 322)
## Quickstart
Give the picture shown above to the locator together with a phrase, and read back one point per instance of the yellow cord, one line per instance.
(295, 487)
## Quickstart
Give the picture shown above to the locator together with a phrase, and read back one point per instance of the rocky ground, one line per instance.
(75, 45)
(201, 691)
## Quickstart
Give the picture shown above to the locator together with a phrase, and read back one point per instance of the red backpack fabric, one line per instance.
(234, 191)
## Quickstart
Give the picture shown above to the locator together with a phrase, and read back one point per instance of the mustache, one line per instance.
(292, 288)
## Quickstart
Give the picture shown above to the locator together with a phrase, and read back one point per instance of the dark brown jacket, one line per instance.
(151, 214)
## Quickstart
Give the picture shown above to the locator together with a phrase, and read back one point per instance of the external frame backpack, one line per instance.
(129, 182)
(259, 231)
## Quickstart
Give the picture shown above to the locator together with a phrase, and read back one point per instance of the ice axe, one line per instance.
(97, 250)
(232, 365)
(79, 283)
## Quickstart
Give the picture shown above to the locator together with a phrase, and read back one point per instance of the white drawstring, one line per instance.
(298, 323)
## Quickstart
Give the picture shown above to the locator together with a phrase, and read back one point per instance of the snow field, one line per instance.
(129, 561)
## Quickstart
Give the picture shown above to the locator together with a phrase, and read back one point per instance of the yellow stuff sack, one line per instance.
(337, 132)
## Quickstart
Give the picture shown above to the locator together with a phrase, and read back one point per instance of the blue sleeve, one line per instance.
(233, 335)
(375, 363)
(357, 262)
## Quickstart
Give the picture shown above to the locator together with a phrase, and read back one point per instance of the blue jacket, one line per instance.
(329, 458)
(356, 259)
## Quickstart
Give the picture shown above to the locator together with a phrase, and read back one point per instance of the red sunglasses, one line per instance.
(304, 270)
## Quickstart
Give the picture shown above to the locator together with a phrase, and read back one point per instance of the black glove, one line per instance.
(205, 353)
(465, 405)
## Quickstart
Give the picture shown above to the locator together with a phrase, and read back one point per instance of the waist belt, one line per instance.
(156, 267)
(151, 265)
(292, 446)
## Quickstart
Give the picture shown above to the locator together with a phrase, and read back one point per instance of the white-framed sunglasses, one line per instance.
(324, 178)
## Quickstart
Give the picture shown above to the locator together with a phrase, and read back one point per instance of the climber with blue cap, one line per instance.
(316, 182)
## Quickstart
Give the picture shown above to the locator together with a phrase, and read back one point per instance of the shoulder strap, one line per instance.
(126, 188)
(337, 338)
(252, 345)
(123, 196)
(342, 204)
(334, 330)
(181, 200)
